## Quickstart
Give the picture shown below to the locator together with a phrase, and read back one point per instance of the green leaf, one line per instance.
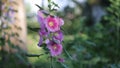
(44, 47)
(33, 55)
(33, 29)
(39, 7)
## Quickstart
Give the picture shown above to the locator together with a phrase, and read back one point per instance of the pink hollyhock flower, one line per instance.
(58, 36)
(55, 49)
(52, 24)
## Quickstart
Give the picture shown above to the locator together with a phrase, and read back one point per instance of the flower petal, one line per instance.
(58, 36)
(40, 17)
(40, 41)
(61, 21)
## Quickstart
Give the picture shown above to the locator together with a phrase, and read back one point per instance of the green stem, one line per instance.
(51, 60)
(67, 53)
(118, 29)
(63, 65)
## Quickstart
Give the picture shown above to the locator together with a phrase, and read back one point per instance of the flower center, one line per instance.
(54, 47)
(51, 24)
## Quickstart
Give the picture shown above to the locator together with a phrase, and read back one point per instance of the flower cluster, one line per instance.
(50, 32)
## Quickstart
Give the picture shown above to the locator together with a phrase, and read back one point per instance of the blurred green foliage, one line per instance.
(95, 46)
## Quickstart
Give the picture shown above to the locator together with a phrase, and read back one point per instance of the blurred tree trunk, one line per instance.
(12, 28)
(20, 23)
(18, 26)
(14, 31)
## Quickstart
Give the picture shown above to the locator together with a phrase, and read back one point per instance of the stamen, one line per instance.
(51, 24)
